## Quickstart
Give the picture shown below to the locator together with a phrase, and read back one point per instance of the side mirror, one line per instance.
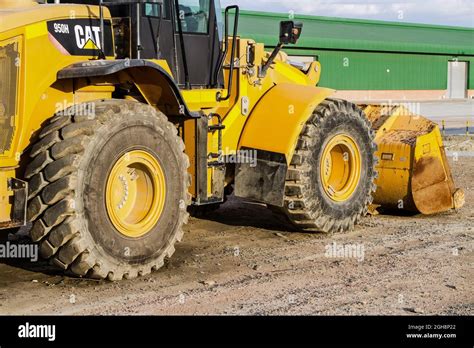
(290, 32)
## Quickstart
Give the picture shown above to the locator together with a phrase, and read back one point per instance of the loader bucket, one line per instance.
(413, 171)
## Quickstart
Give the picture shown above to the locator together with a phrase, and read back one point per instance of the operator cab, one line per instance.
(189, 34)
(160, 37)
(151, 30)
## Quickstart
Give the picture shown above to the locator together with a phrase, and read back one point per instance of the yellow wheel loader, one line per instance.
(117, 117)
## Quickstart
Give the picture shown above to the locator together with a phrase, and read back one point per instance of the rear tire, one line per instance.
(71, 165)
(308, 205)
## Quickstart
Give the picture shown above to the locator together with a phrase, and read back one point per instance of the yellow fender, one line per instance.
(271, 134)
(279, 117)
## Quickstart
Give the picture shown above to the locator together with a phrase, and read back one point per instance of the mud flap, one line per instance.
(261, 179)
(20, 195)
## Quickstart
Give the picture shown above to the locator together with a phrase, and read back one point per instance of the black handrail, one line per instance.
(102, 36)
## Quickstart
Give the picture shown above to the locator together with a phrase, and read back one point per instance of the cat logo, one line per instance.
(88, 37)
(81, 37)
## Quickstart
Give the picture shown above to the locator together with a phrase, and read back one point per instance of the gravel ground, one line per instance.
(242, 260)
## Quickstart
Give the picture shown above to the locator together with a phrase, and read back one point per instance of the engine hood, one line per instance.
(19, 13)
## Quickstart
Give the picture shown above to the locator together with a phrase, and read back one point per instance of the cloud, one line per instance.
(442, 12)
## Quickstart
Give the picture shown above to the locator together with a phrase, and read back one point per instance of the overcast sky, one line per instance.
(444, 12)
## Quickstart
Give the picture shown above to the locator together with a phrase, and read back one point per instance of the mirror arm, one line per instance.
(263, 70)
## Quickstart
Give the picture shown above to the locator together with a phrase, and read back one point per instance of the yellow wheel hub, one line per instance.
(135, 193)
(340, 167)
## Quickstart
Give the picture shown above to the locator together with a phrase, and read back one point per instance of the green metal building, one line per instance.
(365, 59)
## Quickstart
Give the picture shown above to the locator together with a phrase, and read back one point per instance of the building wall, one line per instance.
(373, 59)
(375, 75)
(394, 95)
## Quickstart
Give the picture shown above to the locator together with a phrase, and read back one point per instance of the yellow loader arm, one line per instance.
(413, 171)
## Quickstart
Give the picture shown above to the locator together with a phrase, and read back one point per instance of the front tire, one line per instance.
(330, 180)
(108, 194)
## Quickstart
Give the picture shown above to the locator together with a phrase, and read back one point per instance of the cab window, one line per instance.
(194, 16)
(154, 10)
